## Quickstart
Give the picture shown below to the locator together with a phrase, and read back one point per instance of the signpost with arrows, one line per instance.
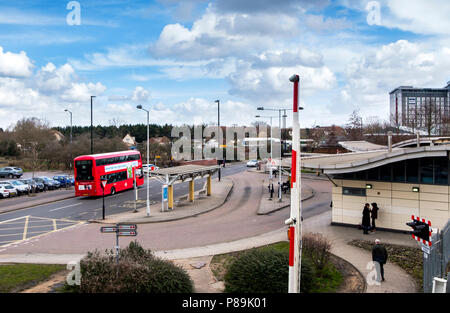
(126, 230)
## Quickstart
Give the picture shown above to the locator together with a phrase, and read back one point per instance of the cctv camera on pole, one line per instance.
(295, 222)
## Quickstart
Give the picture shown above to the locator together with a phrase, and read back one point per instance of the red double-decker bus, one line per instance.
(118, 168)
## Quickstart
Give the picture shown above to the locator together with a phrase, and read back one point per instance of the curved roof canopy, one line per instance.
(359, 161)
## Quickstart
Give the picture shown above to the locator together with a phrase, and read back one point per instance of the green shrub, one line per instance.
(138, 271)
(265, 271)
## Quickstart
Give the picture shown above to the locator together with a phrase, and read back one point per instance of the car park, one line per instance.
(11, 172)
(21, 187)
(64, 180)
(10, 187)
(4, 193)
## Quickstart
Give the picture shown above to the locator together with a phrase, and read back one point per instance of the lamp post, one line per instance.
(148, 159)
(70, 124)
(92, 129)
(271, 141)
(218, 132)
(279, 124)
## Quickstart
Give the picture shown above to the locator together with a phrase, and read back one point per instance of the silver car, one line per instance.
(11, 172)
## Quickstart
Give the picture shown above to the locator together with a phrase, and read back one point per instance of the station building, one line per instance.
(402, 181)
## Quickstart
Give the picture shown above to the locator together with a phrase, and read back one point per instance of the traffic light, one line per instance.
(421, 230)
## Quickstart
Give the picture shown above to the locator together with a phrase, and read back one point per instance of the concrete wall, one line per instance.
(397, 202)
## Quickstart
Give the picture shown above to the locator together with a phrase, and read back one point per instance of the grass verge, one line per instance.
(17, 277)
(410, 259)
(328, 280)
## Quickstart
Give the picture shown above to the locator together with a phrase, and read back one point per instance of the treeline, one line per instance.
(139, 131)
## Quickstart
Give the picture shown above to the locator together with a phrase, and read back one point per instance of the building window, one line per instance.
(441, 171)
(351, 191)
(386, 173)
(372, 174)
(412, 171)
(399, 172)
(426, 170)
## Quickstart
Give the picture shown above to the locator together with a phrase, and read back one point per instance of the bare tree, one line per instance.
(354, 126)
(33, 135)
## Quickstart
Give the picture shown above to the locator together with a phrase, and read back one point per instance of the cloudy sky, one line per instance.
(176, 58)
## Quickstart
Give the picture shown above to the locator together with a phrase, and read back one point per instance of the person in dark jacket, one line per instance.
(366, 219)
(380, 255)
(374, 214)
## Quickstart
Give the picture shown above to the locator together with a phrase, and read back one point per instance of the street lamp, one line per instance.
(218, 132)
(70, 124)
(92, 129)
(148, 159)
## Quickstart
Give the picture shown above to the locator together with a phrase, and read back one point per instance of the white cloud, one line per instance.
(15, 64)
(370, 78)
(43, 94)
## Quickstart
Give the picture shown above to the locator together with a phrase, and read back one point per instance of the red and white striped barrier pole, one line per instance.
(295, 234)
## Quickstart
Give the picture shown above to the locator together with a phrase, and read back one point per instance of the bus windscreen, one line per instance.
(84, 170)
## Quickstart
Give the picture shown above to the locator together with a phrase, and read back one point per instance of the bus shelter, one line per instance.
(184, 173)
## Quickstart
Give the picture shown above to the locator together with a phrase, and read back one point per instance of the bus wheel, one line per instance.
(113, 191)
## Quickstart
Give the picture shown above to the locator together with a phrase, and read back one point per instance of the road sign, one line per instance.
(127, 233)
(127, 227)
(421, 230)
(109, 229)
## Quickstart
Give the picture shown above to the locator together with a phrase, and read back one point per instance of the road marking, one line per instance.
(25, 228)
(67, 206)
(13, 219)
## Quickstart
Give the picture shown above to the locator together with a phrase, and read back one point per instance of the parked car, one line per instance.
(11, 172)
(64, 180)
(152, 167)
(10, 187)
(53, 183)
(22, 188)
(252, 163)
(4, 193)
(34, 186)
(47, 185)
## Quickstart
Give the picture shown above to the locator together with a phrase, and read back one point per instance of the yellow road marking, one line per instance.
(54, 225)
(25, 228)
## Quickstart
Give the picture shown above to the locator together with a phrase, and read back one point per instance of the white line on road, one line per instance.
(65, 207)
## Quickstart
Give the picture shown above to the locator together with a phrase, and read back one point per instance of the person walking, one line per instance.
(374, 215)
(380, 255)
(366, 219)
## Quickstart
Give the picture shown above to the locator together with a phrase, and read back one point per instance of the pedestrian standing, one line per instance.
(380, 255)
(374, 214)
(366, 219)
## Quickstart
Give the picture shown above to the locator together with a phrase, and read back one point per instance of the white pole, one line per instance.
(295, 239)
(279, 165)
(271, 158)
(148, 168)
